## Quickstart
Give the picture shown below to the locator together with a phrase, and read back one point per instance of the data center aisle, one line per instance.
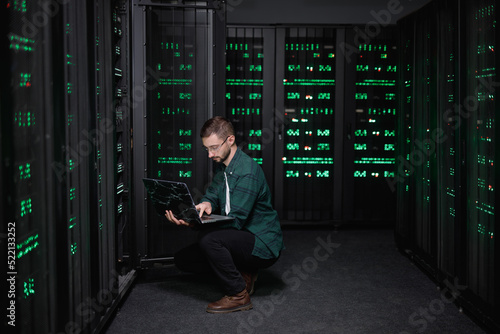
(344, 281)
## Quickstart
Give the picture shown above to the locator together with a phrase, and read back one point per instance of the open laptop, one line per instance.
(175, 196)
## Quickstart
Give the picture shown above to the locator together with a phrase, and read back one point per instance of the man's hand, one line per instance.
(204, 207)
(170, 216)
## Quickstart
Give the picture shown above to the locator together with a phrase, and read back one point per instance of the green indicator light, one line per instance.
(325, 68)
(257, 68)
(254, 147)
(292, 146)
(360, 133)
(291, 132)
(389, 133)
(325, 173)
(292, 68)
(187, 173)
(323, 133)
(389, 147)
(26, 246)
(359, 173)
(25, 171)
(362, 68)
(308, 161)
(185, 146)
(184, 132)
(383, 55)
(245, 111)
(323, 147)
(184, 67)
(361, 96)
(376, 161)
(293, 95)
(244, 82)
(26, 207)
(29, 288)
(72, 194)
(72, 223)
(228, 96)
(309, 82)
(73, 248)
(255, 133)
(175, 82)
(292, 173)
(360, 147)
(258, 160)
(175, 160)
(323, 96)
(185, 96)
(255, 96)
(388, 174)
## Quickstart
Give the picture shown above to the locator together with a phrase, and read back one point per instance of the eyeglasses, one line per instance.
(215, 149)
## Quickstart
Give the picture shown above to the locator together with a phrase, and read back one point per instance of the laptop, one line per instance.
(175, 196)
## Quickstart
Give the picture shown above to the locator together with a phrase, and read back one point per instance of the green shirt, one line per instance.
(250, 200)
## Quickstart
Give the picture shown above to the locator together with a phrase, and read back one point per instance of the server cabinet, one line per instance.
(177, 63)
(326, 137)
(370, 119)
(446, 177)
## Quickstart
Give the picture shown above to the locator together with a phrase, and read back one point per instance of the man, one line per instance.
(254, 240)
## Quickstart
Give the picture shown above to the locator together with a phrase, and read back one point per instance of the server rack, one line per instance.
(313, 122)
(177, 65)
(446, 177)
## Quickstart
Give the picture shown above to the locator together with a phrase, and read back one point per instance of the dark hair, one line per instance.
(218, 125)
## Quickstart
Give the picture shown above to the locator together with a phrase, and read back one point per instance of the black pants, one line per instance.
(225, 252)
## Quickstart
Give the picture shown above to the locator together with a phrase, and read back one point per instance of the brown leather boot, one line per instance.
(239, 302)
(250, 279)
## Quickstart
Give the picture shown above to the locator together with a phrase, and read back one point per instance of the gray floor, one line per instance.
(326, 281)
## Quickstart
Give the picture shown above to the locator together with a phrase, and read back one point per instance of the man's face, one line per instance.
(218, 149)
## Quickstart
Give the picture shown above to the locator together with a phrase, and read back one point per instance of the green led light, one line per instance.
(358, 173)
(185, 96)
(72, 223)
(255, 133)
(185, 146)
(188, 173)
(360, 133)
(25, 171)
(293, 95)
(388, 147)
(26, 207)
(293, 146)
(185, 67)
(292, 173)
(175, 160)
(254, 68)
(325, 68)
(245, 111)
(309, 82)
(255, 96)
(376, 161)
(244, 82)
(323, 146)
(292, 68)
(360, 147)
(73, 248)
(254, 147)
(228, 96)
(184, 132)
(169, 46)
(174, 111)
(325, 173)
(308, 161)
(292, 132)
(175, 82)
(26, 246)
(72, 194)
(361, 96)
(29, 288)
(323, 96)
(258, 160)
(376, 82)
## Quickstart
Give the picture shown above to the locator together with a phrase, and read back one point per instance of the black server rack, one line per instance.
(59, 165)
(307, 135)
(446, 176)
(177, 64)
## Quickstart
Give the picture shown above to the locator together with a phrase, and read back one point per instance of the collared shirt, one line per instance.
(251, 206)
